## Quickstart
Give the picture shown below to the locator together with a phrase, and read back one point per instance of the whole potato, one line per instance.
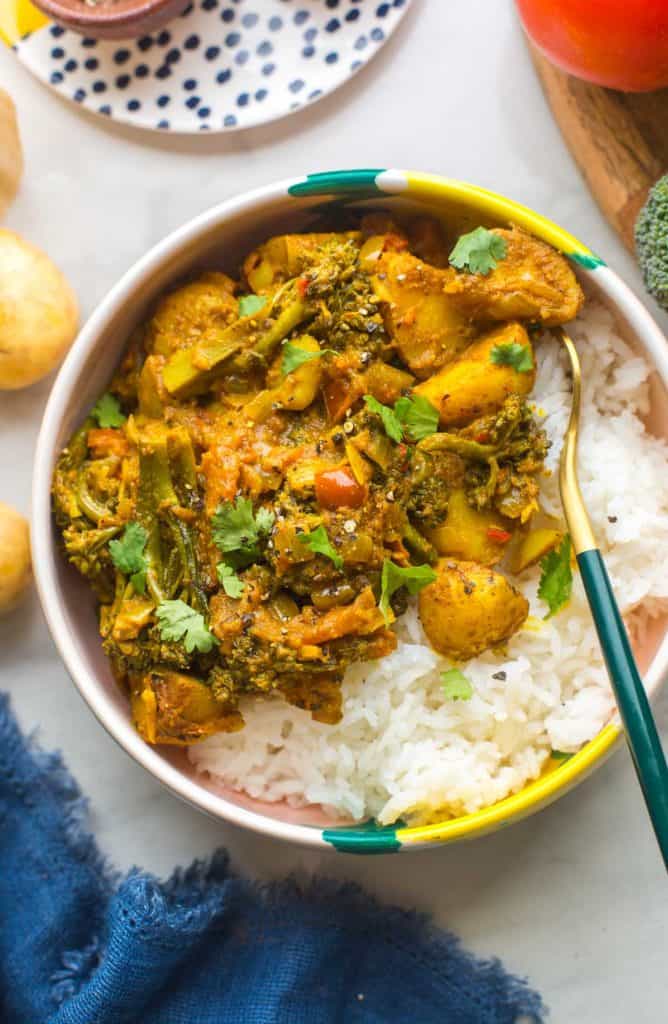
(11, 155)
(15, 570)
(38, 313)
(469, 608)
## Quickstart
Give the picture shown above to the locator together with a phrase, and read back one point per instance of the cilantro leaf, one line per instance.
(455, 685)
(294, 357)
(418, 416)
(230, 582)
(393, 427)
(320, 544)
(127, 554)
(512, 354)
(414, 578)
(249, 304)
(234, 526)
(107, 411)
(178, 621)
(556, 580)
(478, 251)
(237, 532)
(561, 755)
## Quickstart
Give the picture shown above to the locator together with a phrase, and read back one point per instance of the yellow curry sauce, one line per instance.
(281, 460)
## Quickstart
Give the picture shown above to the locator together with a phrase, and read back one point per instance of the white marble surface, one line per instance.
(573, 897)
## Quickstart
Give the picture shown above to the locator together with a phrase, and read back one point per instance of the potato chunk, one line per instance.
(170, 707)
(470, 534)
(182, 317)
(426, 325)
(533, 282)
(473, 385)
(285, 256)
(469, 608)
(294, 391)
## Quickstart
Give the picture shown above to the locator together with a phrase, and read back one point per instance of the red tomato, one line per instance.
(337, 395)
(619, 43)
(501, 536)
(337, 487)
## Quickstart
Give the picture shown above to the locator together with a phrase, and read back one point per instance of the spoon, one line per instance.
(634, 708)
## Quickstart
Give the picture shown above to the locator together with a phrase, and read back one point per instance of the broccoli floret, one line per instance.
(652, 241)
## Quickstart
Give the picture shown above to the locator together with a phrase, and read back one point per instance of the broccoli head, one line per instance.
(652, 241)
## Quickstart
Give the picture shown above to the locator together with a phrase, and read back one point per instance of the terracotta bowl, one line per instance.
(112, 19)
(220, 238)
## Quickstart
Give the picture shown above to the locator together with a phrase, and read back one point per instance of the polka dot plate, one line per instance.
(222, 65)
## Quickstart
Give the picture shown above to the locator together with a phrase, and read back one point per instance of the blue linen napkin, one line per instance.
(79, 945)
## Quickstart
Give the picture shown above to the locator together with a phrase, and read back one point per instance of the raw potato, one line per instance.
(473, 385)
(15, 570)
(11, 156)
(38, 313)
(469, 608)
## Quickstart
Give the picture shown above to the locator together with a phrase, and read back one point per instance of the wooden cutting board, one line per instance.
(619, 140)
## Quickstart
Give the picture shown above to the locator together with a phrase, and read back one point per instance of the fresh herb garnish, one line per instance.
(414, 578)
(416, 416)
(556, 581)
(178, 621)
(391, 421)
(127, 554)
(512, 354)
(478, 251)
(249, 304)
(455, 685)
(236, 531)
(229, 581)
(107, 411)
(561, 755)
(294, 357)
(318, 542)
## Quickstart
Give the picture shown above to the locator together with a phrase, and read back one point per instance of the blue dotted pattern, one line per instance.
(221, 65)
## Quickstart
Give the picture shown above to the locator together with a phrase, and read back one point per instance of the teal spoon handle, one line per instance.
(636, 714)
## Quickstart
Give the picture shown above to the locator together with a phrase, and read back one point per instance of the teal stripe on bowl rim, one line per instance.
(355, 182)
(367, 837)
(590, 261)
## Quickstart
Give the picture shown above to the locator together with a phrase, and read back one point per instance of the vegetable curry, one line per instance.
(281, 461)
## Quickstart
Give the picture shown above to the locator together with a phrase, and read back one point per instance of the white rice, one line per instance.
(402, 750)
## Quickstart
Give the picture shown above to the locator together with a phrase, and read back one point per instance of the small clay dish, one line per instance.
(112, 19)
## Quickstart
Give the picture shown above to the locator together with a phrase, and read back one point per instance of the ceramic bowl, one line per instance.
(112, 19)
(221, 237)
